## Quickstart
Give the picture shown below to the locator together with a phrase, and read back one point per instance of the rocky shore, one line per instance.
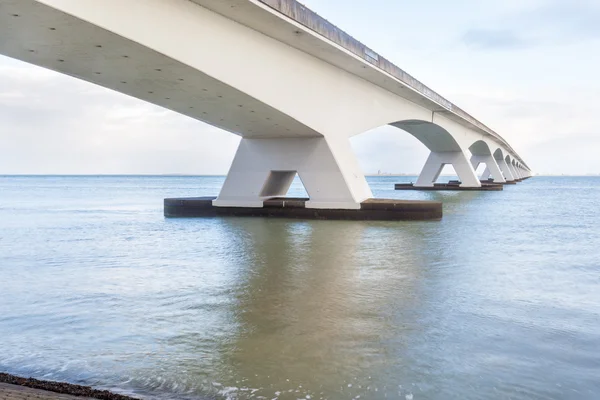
(59, 388)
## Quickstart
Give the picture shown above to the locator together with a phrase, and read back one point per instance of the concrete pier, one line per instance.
(371, 209)
(498, 183)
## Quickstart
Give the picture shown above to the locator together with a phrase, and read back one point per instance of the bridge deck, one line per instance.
(311, 20)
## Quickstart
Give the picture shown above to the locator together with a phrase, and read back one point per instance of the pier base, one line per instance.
(371, 209)
(491, 182)
(449, 186)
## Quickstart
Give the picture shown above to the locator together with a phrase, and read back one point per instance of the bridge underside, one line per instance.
(41, 35)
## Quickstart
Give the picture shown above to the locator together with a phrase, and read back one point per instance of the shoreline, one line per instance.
(61, 388)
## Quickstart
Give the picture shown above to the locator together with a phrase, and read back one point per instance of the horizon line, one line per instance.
(224, 175)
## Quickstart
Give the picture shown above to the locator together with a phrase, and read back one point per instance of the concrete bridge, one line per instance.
(292, 85)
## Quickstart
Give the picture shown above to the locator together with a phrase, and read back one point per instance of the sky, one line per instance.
(526, 68)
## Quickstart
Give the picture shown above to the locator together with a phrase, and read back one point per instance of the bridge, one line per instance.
(295, 87)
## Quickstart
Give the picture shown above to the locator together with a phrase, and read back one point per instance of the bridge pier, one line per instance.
(435, 163)
(486, 174)
(514, 171)
(492, 167)
(506, 171)
(265, 168)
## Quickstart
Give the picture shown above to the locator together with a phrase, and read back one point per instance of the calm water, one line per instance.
(501, 299)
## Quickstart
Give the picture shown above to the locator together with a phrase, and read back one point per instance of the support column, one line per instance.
(265, 168)
(514, 171)
(492, 167)
(505, 170)
(435, 163)
(486, 173)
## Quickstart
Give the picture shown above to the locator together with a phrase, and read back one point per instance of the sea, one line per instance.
(498, 300)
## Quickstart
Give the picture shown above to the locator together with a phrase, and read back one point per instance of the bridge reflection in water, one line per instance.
(312, 305)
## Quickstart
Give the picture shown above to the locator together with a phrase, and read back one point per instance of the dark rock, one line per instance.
(63, 388)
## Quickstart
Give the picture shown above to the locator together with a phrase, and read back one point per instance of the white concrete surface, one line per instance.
(265, 168)
(436, 162)
(506, 171)
(492, 167)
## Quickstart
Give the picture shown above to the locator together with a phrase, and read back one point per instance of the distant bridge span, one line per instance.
(292, 85)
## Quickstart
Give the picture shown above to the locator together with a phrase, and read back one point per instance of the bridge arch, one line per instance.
(499, 154)
(432, 135)
(444, 147)
(482, 154)
(480, 148)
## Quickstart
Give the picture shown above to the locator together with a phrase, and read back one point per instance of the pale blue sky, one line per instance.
(526, 68)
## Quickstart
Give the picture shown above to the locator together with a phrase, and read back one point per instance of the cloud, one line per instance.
(547, 23)
(571, 20)
(543, 126)
(493, 39)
